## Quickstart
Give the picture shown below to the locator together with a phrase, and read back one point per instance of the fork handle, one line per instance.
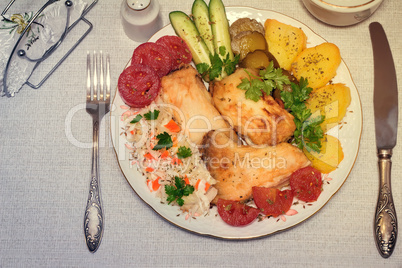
(93, 220)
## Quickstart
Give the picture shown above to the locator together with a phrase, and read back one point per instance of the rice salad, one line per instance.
(171, 164)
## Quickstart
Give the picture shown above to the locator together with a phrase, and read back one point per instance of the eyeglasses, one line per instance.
(24, 24)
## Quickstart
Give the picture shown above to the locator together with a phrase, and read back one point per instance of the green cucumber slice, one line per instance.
(185, 28)
(220, 28)
(201, 20)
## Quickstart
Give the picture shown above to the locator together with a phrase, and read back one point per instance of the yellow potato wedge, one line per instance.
(285, 42)
(331, 101)
(318, 64)
(330, 156)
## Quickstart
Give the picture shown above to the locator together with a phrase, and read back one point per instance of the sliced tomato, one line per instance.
(235, 213)
(155, 56)
(138, 85)
(272, 201)
(306, 184)
(178, 50)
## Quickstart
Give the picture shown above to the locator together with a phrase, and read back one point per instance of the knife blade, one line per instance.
(386, 126)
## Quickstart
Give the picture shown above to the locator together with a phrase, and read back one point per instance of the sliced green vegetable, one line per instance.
(220, 28)
(201, 20)
(186, 29)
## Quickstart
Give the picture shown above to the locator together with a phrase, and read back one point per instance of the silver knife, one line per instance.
(386, 126)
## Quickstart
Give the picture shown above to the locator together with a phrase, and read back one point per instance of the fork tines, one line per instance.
(97, 90)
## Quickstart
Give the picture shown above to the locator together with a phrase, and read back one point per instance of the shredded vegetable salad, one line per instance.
(170, 163)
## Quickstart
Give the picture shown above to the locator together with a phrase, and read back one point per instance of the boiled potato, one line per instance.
(285, 42)
(317, 64)
(331, 101)
(330, 156)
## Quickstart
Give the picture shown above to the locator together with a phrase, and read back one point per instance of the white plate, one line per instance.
(212, 225)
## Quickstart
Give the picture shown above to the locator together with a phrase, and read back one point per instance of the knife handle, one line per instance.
(385, 221)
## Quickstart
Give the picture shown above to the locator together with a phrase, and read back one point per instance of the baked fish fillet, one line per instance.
(237, 168)
(192, 103)
(263, 122)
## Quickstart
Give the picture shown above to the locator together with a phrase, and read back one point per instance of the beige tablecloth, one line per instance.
(45, 139)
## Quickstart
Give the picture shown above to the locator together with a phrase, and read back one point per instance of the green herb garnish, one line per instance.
(273, 78)
(178, 190)
(136, 119)
(269, 79)
(219, 64)
(183, 152)
(152, 115)
(165, 141)
(308, 130)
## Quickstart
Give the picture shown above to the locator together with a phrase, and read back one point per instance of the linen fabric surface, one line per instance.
(45, 157)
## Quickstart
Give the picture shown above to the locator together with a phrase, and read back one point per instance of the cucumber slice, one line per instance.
(220, 28)
(201, 20)
(185, 28)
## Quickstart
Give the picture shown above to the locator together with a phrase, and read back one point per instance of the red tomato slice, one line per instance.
(306, 184)
(155, 56)
(138, 85)
(272, 201)
(236, 214)
(178, 49)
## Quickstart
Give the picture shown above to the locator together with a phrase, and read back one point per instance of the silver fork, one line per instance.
(98, 104)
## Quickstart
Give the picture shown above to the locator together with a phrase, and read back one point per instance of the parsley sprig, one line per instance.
(308, 130)
(184, 152)
(136, 119)
(152, 115)
(268, 79)
(164, 141)
(219, 64)
(178, 190)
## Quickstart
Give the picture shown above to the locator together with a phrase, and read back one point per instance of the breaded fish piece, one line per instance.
(237, 168)
(192, 103)
(261, 122)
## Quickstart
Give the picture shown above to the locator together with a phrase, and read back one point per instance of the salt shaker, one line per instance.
(140, 19)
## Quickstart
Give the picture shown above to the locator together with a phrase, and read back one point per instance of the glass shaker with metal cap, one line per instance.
(140, 19)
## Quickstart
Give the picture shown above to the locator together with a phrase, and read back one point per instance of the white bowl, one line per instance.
(342, 12)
